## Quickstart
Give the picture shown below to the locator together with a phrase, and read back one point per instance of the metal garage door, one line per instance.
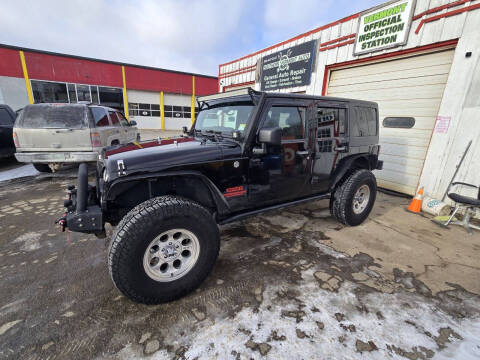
(406, 87)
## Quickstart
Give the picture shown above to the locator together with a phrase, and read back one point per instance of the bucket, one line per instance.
(435, 207)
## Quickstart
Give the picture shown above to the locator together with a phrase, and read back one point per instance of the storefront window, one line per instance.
(111, 97)
(83, 93)
(49, 92)
(72, 93)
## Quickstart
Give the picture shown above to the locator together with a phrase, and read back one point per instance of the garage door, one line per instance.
(406, 87)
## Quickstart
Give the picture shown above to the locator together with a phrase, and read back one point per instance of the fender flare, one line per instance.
(344, 165)
(218, 198)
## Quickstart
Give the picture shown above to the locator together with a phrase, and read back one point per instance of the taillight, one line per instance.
(95, 137)
(15, 140)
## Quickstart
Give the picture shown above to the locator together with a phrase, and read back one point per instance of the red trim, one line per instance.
(440, 8)
(338, 39)
(238, 85)
(338, 45)
(348, 18)
(383, 56)
(218, 80)
(325, 80)
(10, 63)
(70, 57)
(238, 71)
(447, 14)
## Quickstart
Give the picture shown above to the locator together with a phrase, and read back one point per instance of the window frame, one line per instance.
(106, 113)
(296, 104)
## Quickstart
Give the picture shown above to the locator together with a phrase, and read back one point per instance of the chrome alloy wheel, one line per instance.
(171, 255)
(361, 199)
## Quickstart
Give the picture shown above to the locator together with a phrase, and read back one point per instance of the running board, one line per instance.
(270, 208)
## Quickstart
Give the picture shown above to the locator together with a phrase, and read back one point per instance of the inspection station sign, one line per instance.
(288, 68)
(384, 27)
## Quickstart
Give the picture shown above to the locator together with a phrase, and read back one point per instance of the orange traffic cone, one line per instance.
(416, 204)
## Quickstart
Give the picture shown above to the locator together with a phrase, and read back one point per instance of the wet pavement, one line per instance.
(288, 284)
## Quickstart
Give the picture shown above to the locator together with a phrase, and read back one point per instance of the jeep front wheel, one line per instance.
(163, 249)
(352, 201)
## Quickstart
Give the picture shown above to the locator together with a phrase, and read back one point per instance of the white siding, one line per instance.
(146, 97)
(177, 100)
(153, 97)
(458, 84)
(407, 87)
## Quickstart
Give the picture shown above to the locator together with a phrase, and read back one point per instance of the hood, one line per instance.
(160, 155)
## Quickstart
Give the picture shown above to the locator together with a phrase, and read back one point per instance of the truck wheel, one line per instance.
(42, 168)
(163, 249)
(353, 200)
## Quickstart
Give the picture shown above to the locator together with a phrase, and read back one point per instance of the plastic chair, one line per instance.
(470, 204)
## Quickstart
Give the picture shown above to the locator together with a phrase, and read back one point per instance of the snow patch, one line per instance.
(405, 321)
(30, 240)
(22, 171)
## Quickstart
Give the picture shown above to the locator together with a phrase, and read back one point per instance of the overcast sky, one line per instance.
(186, 35)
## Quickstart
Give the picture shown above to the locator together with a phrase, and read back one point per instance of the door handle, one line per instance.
(303, 153)
(340, 148)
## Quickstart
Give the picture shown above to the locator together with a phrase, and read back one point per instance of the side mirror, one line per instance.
(271, 136)
(184, 129)
(133, 123)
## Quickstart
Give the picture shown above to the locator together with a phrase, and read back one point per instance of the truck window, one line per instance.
(290, 119)
(114, 118)
(123, 121)
(100, 116)
(5, 118)
(53, 116)
(364, 122)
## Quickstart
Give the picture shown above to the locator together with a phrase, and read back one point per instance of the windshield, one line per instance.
(225, 118)
(43, 116)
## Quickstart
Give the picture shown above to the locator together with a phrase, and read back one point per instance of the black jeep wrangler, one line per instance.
(248, 152)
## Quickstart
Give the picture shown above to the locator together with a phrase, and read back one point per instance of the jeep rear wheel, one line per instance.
(352, 201)
(163, 249)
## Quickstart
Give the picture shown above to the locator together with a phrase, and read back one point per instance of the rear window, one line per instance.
(53, 117)
(364, 122)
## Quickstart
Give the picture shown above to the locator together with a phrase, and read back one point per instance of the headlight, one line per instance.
(105, 175)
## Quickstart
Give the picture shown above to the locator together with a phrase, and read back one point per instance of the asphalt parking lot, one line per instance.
(288, 284)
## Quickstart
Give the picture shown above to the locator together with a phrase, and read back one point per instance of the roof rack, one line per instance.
(239, 92)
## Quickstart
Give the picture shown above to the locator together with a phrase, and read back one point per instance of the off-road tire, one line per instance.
(42, 168)
(341, 201)
(138, 229)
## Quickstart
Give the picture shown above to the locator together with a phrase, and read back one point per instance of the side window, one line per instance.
(372, 121)
(364, 122)
(100, 116)
(123, 121)
(290, 119)
(5, 118)
(114, 118)
(331, 123)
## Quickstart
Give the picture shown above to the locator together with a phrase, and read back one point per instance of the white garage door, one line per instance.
(406, 87)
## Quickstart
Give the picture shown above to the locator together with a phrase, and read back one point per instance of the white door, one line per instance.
(403, 88)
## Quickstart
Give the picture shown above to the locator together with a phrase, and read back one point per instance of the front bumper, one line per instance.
(83, 213)
(56, 157)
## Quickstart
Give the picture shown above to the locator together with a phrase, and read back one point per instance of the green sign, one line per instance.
(384, 26)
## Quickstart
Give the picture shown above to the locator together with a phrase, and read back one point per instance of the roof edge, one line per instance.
(13, 47)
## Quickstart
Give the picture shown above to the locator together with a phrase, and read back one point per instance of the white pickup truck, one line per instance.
(49, 135)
